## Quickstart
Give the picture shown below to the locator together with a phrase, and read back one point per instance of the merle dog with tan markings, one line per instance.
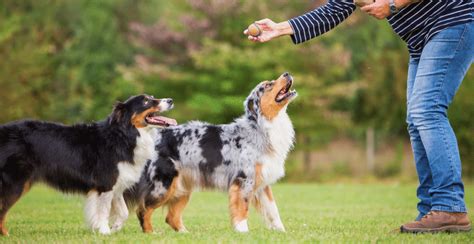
(243, 158)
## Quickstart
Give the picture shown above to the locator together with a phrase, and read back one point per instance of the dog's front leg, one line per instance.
(239, 206)
(103, 208)
(119, 213)
(97, 211)
(266, 206)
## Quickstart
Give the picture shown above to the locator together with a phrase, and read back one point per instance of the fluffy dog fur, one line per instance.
(101, 159)
(243, 158)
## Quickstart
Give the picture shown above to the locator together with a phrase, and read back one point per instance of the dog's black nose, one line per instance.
(169, 101)
(286, 74)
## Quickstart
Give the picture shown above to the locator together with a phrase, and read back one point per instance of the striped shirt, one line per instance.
(415, 23)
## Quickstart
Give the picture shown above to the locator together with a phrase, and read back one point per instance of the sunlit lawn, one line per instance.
(310, 212)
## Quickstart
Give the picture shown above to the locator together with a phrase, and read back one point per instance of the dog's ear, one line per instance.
(250, 106)
(118, 113)
(250, 109)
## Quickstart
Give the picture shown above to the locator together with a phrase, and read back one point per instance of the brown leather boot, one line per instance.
(437, 221)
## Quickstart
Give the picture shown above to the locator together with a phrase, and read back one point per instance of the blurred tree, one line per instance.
(59, 59)
(87, 79)
(70, 60)
(29, 38)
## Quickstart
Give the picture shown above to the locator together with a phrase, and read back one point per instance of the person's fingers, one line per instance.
(366, 8)
(370, 11)
(258, 39)
(263, 21)
(263, 38)
(254, 39)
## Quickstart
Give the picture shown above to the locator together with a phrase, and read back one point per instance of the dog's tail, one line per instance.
(131, 197)
(135, 196)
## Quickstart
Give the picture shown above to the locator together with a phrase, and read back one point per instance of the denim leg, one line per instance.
(441, 68)
(421, 160)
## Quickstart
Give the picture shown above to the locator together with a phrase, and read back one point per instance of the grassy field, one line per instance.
(310, 212)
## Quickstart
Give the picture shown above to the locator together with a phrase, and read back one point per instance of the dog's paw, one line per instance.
(105, 230)
(278, 226)
(241, 226)
(116, 227)
(183, 230)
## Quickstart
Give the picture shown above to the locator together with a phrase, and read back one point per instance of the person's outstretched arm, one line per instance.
(307, 26)
(320, 20)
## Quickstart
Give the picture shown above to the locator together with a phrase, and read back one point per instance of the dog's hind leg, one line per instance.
(266, 206)
(3, 215)
(3, 228)
(144, 215)
(175, 212)
(10, 195)
(156, 197)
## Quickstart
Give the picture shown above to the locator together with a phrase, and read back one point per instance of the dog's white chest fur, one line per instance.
(130, 172)
(281, 137)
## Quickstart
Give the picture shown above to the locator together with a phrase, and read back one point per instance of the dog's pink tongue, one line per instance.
(167, 120)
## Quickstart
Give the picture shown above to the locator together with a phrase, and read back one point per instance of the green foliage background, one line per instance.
(69, 61)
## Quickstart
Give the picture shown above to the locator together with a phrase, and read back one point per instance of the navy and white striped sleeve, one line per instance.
(320, 20)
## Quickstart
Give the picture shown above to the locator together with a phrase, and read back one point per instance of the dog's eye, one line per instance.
(146, 101)
(268, 85)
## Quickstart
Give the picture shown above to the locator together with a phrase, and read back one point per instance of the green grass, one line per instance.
(310, 212)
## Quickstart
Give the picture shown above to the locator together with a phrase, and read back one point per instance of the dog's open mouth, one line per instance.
(155, 119)
(285, 92)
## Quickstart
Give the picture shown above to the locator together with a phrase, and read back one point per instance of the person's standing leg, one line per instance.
(421, 160)
(442, 67)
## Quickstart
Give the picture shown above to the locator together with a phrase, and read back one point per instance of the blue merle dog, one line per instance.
(243, 158)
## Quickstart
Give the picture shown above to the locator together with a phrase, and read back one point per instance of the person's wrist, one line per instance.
(284, 28)
(403, 3)
(393, 7)
(400, 3)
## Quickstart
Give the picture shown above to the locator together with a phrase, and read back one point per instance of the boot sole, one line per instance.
(449, 228)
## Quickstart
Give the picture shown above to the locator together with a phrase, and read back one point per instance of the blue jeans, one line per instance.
(433, 80)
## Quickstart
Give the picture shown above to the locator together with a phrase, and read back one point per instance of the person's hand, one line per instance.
(379, 9)
(270, 30)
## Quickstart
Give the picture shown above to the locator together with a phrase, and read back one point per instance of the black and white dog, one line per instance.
(101, 159)
(243, 158)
